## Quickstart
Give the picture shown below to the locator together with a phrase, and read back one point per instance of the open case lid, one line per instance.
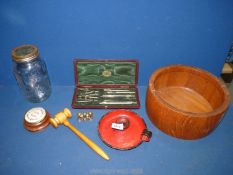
(105, 72)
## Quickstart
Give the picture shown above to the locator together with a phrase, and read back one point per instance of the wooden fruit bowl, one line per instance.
(186, 102)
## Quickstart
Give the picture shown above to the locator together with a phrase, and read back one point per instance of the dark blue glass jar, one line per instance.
(31, 73)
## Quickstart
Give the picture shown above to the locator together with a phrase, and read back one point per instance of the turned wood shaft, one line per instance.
(61, 118)
(90, 143)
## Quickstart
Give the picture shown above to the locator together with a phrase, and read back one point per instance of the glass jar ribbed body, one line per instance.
(31, 73)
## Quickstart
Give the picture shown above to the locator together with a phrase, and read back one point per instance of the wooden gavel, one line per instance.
(61, 118)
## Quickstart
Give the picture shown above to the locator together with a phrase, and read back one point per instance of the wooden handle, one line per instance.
(61, 118)
(90, 143)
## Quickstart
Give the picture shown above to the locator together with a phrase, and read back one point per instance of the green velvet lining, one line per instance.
(119, 97)
(106, 72)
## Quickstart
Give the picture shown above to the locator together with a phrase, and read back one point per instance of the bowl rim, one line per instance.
(218, 110)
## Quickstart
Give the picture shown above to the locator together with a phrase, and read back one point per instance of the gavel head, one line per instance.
(60, 117)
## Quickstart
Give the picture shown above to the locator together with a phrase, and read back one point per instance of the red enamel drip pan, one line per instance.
(123, 129)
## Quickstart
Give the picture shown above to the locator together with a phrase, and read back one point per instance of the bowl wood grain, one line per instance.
(186, 102)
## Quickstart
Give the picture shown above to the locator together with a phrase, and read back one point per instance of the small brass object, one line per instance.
(86, 116)
(107, 73)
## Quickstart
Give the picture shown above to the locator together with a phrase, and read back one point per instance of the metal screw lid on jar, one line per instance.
(25, 53)
(36, 119)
